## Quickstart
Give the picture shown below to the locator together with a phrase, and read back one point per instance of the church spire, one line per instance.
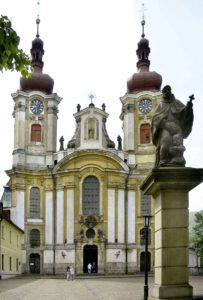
(143, 21)
(37, 81)
(38, 21)
(143, 79)
(143, 50)
(37, 50)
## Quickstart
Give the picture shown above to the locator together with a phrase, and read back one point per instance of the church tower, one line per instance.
(35, 135)
(35, 114)
(138, 105)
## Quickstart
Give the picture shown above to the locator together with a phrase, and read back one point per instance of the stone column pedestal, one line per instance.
(169, 188)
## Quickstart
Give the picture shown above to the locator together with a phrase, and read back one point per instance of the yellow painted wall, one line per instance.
(10, 249)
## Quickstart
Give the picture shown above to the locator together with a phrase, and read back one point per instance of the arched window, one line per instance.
(90, 233)
(145, 134)
(92, 129)
(36, 133)
(145, 204)
(34, 238)
(90, 196)
(35, 203)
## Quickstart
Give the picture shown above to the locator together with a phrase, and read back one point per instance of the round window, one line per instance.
(90, 233)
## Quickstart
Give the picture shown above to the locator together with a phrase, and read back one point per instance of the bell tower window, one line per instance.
(36, 133)
(145, 134)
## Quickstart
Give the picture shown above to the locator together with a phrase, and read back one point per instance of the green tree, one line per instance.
(197, 240)
(11, 57)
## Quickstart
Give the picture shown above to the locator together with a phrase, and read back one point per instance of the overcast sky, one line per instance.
(90, 46)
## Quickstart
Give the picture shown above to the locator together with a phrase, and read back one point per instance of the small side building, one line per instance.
(11, 239)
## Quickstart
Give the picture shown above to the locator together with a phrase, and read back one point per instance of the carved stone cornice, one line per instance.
(18, 186)
(130, 108)
(19, 106)
(52, 110)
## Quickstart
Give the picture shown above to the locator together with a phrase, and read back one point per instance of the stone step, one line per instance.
(85, 276)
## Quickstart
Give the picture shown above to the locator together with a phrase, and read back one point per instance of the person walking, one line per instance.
(72, 273)
(89, 268)
(68, 273)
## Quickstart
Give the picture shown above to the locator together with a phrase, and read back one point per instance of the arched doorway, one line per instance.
(90, 255)
(34, 263)
(142, 261)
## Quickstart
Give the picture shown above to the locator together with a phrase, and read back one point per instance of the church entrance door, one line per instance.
(90, 255)
(34, 263)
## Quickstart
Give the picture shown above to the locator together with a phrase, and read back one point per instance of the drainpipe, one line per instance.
(54, 217)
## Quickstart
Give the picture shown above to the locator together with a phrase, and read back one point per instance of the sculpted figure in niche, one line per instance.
(91, 134)
(171, 123)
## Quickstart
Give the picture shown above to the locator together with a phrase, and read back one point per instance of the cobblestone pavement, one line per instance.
(82, 289)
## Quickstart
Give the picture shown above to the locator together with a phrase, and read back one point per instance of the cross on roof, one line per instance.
(192, 97)
(38, 19)
(143, 19)
(91, 97)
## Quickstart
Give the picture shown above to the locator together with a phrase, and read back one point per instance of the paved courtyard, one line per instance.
(81, 289)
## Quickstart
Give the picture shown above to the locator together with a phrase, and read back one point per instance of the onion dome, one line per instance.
(37, 80)
(144, 79)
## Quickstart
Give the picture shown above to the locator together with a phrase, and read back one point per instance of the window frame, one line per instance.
(91, 196)
(36, 133)
(34, 238)
(145, 204)
(35, 203)
(145, 133)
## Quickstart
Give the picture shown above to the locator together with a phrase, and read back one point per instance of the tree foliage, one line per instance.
(11, 57)
(197, 240)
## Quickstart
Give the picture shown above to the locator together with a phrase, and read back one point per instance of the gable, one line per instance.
(103, 160)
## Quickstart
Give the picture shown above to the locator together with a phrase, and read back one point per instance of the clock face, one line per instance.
(36, 106)
(145, 105)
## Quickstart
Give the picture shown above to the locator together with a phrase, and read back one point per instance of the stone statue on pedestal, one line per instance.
(171, 123)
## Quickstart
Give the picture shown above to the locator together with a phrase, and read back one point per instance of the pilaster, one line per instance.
(169, 188)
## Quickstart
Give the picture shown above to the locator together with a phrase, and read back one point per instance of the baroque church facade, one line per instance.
(82, 203)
